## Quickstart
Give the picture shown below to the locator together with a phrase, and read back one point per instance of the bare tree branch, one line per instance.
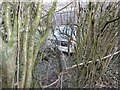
(80, 64)
(109, 22)
(59, 9)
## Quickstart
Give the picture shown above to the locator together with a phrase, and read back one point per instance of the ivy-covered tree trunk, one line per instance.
(9, 48)
(19, 50)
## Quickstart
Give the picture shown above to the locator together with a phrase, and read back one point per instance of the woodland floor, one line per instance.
(47, 72)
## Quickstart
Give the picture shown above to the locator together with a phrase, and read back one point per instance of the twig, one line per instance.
(60, 76)
(53, 82)
(80, 64)
(61, 81)
(59, 9)
(107, 24)
(64, 7)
